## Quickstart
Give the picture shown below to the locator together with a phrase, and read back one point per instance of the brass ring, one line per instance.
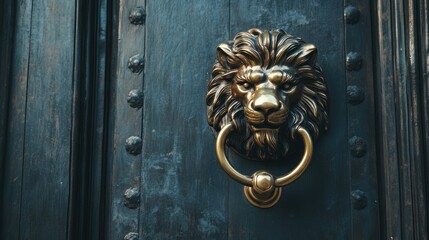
(247, 180)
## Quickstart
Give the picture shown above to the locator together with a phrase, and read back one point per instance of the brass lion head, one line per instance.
(267, 83)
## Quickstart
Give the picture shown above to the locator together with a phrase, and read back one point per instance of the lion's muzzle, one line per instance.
(266, 101)
(266, 110)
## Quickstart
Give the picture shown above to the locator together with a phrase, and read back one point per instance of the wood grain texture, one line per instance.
(184, 191)
(45, 178)
(64, 119)
(317, 205)
(411, 115)
(7, 24)
(55, 190)
(423, 84)
(390, 187)
(12, 168)
(361, 123)
(123, 170)
(403, 190)
(96, 180)
(85, 215)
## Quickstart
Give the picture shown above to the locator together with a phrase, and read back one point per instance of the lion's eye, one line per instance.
(246, 85)
(287, 86)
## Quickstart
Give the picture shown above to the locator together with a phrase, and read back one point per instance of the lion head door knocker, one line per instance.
(267, 94)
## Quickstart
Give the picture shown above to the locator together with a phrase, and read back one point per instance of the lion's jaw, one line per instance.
(264, 143)
(264, 131)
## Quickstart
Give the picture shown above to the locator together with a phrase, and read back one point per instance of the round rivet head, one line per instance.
(135, 99)
(137, 16)
(359, 199)
(355, 95)
(131, 236)
(136, 63)
(357, 146)
(132, 198)
(351, 14)
(353, 61)
(133, 145)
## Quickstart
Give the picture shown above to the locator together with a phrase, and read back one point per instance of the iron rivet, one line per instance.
(353, 61)
(135, 99)
(132, 198)
(357, 146)
(131, 236)
(359, 199)
(133, 145)
(137, 16)
(351, 14)
(355, 95)
(136, 63)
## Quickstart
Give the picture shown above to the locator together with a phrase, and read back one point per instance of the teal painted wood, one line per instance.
(361, 124)
(123, 171)
(14, 125)
(401, 59)
(327, 180)
(35, 194)
(184, 191)
(14, 158)
(317, 205)
(65, 167)
(7, 24)
(45, 180)
(87, 179)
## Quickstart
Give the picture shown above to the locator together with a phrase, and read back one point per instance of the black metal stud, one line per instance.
(351, 14)
(136, 63)
(359, 199)
(133, 145)
(355, 94)
(135, 99)
(137, 16)
(353, 61)
(357, 146)
(132, 198)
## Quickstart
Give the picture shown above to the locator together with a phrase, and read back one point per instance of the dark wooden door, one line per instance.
(184, 193)
(104, 133)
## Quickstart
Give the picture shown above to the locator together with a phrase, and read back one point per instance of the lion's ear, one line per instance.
(225, 56)
(307, 55)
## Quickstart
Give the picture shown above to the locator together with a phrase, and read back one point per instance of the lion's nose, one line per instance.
(266, 102)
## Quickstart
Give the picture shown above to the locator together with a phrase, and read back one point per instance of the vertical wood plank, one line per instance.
(317, 205)
(97, 179)
(125, 121)
(87, 148)
(400, 79)
(402, 151)
(45, 186)
(7, 24)
(423, 85)
(12, 168)
(184, 191)
(411, 115)
(388, 152)
(362, 125)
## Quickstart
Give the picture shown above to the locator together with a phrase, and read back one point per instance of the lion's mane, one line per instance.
(266, 49)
